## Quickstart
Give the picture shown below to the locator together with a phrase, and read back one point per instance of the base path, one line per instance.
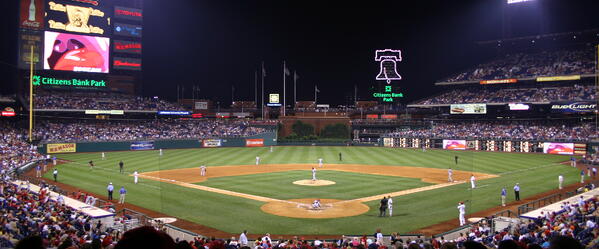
(300, 208)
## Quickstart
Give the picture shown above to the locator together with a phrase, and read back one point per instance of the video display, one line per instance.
(468, 109)
(454, 144)
(77, 53)
(558, 148)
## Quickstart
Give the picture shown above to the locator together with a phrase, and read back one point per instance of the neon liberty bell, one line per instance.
(388, 59)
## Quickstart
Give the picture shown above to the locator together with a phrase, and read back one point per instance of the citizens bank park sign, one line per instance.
(581, 106)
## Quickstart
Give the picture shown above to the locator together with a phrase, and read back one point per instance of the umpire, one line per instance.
(110, 189)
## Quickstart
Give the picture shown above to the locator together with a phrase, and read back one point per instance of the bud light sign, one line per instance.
(580, 106)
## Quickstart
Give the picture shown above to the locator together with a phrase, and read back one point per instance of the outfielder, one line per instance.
(450, 175)
(320, 162)
(473, 181)
(560, 180)
(257, 160)
(313, 174)
(203, 170)
(160, 152)
(390, 205)
(135, 176)
(103, 156)
(462, 209)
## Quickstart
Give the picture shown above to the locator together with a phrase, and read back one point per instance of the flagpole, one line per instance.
(315, 95)
(262, 102)
(284, 74)
(256, 88)
(294, 88)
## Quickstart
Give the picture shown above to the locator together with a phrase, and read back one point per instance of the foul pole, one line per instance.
(31, 96)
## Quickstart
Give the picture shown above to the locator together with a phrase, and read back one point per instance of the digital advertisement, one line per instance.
(32, 14)
(211, 143)
(128, 47)
(77, 53)
(128, 13)
(126, 63)
(558, 148)
(127, 30)
(454, 144)
(77, 19)
(142, 145)
(254, 142)
(27, 40)
(67, 83)
(468, 109)
(61, 148)
(572, 107)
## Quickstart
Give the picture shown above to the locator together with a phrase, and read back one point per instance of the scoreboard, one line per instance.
(80, 41)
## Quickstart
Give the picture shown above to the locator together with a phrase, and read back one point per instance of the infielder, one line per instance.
(473, 181)
(450, 175)
(320, 162)
(91, 164)
(390, 205)
(582, 176)
(203, 170)
(560, 180)
(135, 176)
(313, 174)
(462, 209)
(257, 160)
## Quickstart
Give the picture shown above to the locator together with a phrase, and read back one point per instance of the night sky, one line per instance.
(218, 44)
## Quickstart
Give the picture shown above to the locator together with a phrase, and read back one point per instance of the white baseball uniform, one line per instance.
(135, 176)
(560, 179)
(257, 160)
(390, 206)
(103, 156)
(320, 162)
(462, 209)
(473, 181)
(316, 204)
(203, 170)
(160, 152)
(450, 175)
(313, 174)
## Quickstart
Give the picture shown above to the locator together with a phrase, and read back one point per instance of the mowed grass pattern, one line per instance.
(348, 185)
(535, 172)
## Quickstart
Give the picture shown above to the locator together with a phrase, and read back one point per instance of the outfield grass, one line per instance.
(535, 172)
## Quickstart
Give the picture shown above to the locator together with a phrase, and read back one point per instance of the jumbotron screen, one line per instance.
(77, 53)
(454, 144)
(558, 148)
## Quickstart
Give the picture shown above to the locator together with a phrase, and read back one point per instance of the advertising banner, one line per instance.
(142, 145)
(201, 105)
(128, 47)
(210, 143)
(254, 142)
(558, 78)
(558, 148)
(110, 112)
(127, 30)
(501, 81)
(32, 14)
(388, 116)
(570, 106)
(78, 53)
(454, 144)
(28, 39)
(128, 13)
(372, 116)
(127, 63)
(174, 113)
(39, 80)
(468, 109)
(61, 148)
(518, 107)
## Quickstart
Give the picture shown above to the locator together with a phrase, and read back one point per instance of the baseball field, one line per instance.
(276, 195)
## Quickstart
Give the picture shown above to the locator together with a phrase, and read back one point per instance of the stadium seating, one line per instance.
(527, 65)
(99, 101)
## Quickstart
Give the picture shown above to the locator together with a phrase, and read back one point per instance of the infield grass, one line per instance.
(535, 172)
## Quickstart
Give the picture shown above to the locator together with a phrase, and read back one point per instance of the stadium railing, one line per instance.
(536, 204)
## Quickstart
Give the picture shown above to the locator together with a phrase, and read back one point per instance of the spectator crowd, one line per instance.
(526, 65)
(92, 130)
(522, 129)
(99, 101)
(510, 95)
(14, 150)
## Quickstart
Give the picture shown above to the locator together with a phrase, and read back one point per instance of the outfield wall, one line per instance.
(259, 140)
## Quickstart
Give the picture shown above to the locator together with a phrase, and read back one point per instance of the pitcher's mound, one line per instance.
(302, 208)
(314, 183)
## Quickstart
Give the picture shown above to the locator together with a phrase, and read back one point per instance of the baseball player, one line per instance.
(203, 170)
(271, 148)
(122, 193)
(257, 160)
(55, 174)
(462, 210)
(160, 152)
(103, 156)
(573, 161)
(450, 175)
(121, 164)
(560, 180)
(582, 176)
(473, 181)
(316, 204)
(313, 174)
(320, 162)
(38, 171)
(589, 172)
(594, 172)
(135, 176)
(390, 205)
(54, 160)
(503, 196)
(91, 164)
(456, 159)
